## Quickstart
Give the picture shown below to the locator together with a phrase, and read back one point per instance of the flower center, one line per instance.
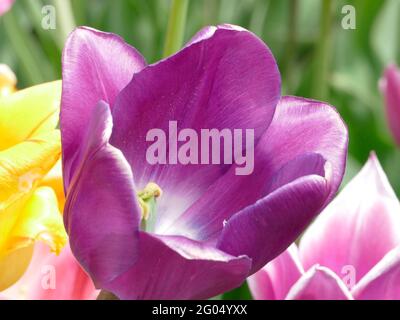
(147, 201)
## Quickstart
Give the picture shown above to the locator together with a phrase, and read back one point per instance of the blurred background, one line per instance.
(318, 58)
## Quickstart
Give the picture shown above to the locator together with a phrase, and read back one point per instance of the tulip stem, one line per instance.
(106, 295)
(323, 53)
(176, 26)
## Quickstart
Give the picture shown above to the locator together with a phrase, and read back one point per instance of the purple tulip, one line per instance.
(351, 251)
(210, 229)
(390, 87)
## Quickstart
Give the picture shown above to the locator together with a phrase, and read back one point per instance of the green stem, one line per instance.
(176, 26)
(105, 295)
(323, 53)
(24, 48)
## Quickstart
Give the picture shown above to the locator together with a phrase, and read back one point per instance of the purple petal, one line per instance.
(96, 66)
(382, 282)
(209, 31)
(274, 281)
(179, 268)
(226, 80)
(358, 228)
(230, 194)
(266, 228)
(302, 126)
(319, 283)
(101, 212)
(390, 86)
(303, 135)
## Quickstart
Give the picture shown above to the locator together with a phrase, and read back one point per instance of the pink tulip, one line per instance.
(51, 277)
(5, 5)
(390, 87)
(351, 251)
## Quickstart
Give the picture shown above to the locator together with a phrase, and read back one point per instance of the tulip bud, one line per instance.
(390, 87)
(5, 5)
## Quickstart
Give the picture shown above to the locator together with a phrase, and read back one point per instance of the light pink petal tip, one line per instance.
(319, 283)
(357, 228)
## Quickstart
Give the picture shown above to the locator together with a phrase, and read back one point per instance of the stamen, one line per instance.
(147, 200)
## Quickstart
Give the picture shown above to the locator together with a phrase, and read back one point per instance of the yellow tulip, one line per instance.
(31, 195)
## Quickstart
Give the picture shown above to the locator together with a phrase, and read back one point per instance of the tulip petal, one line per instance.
(180, 269)
(21, 169)
(39, 220)
(228, 80)
(13, 266)
(5, 5)
(29, 112)
(319, 283)
(347, 232)
(274, 281)
(52, 277)
(305, 137)
(265, 229)
(101, 211)
(96, 66)
(382, 282)
(230, 194)
(307, 126)
(390, 85)
(54, 180)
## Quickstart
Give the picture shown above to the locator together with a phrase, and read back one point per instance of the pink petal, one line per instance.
(5, 5)
(274, 281)
(382, 282)
(319, 283)
(390, 86)
(51, 277)
(358, 228)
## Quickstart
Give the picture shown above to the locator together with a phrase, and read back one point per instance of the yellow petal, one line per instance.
(21, 169)
(8, 81)
(28, 112)
(54, 180)
(13, 266)
(40, 220)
